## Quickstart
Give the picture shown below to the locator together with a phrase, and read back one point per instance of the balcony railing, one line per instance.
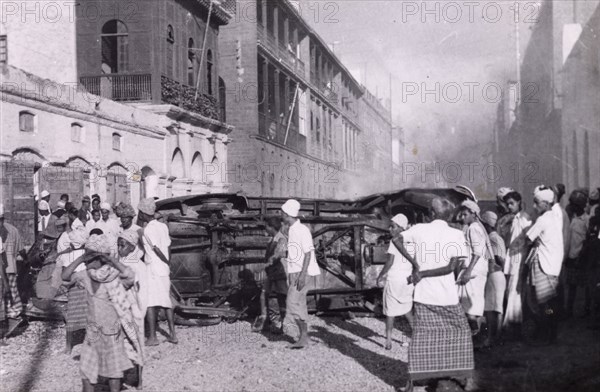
(280, 51)
(182, 95)
(324, 88)
(274, 130)
(120, 87)
(138, 88)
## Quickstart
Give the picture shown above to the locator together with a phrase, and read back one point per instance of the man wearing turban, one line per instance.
(545, 261)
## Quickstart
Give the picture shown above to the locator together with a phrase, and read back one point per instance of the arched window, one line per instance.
(115, 57)
(191, 68)
(27, 122)
(197, 164)
(170, 50)
(76, 133)
(117, 142)
(209, 71)
(177, 164)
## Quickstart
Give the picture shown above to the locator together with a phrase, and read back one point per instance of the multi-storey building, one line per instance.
(297, 110)
(556, 135)
(111, 98)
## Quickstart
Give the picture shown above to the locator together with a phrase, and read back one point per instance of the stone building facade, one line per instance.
(300, 125)
(555, 137)
(125, 133)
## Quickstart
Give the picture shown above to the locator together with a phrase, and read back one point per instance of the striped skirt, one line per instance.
(441, 345)
(76, 308)
(14, 306)
(541, 286)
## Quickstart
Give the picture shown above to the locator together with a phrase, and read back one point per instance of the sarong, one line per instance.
(14, 306)
(76, 308)
(541, 286)
(441, 345)
(2, 302)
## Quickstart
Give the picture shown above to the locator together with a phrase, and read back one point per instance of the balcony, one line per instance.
(138, 88)
(325, 88)
(120, 87)
(280, 51)
(182, 95)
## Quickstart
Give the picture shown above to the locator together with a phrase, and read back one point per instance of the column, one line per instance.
(286, 31)
(265, 88)
(265, 17)
(276, 23)
(277, 101)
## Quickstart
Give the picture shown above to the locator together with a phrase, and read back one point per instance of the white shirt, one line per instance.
(477, 242)
(43, 222)
(66, 259)
(401, 268)
(110, 227)
(517, 246)
(551, 249)
(434, 245)
(76, 224)
(300, 242)
(157, 234)
(563, 223)
(91, 225)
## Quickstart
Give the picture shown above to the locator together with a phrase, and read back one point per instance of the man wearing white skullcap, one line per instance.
(156, 242)
(546, 260)
(43, 215)
(473, 278)
(397, 293)
(302, 264)
(109, 226)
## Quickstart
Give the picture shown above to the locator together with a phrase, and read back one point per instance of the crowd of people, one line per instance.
(449, 276)
(114, 274)
(464, 266)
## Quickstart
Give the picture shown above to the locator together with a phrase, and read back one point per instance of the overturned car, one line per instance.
(219, 243)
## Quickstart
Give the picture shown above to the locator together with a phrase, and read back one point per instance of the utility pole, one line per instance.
(210, 7)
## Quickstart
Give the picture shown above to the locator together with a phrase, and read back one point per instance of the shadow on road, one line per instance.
(32, 373)
(391, 371)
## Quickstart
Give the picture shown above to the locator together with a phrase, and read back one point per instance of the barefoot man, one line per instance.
(441, 345)
(302, 263)
(156, 242)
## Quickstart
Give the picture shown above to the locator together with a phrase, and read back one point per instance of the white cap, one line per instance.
(291, 207)
(43, 205)
(105, 206)
(401, 220)
(544, 195)
(44, 194)
(61, 204)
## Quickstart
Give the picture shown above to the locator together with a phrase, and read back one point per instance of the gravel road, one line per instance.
(345, 354)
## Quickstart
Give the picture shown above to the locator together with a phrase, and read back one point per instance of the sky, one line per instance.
(466, 51)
